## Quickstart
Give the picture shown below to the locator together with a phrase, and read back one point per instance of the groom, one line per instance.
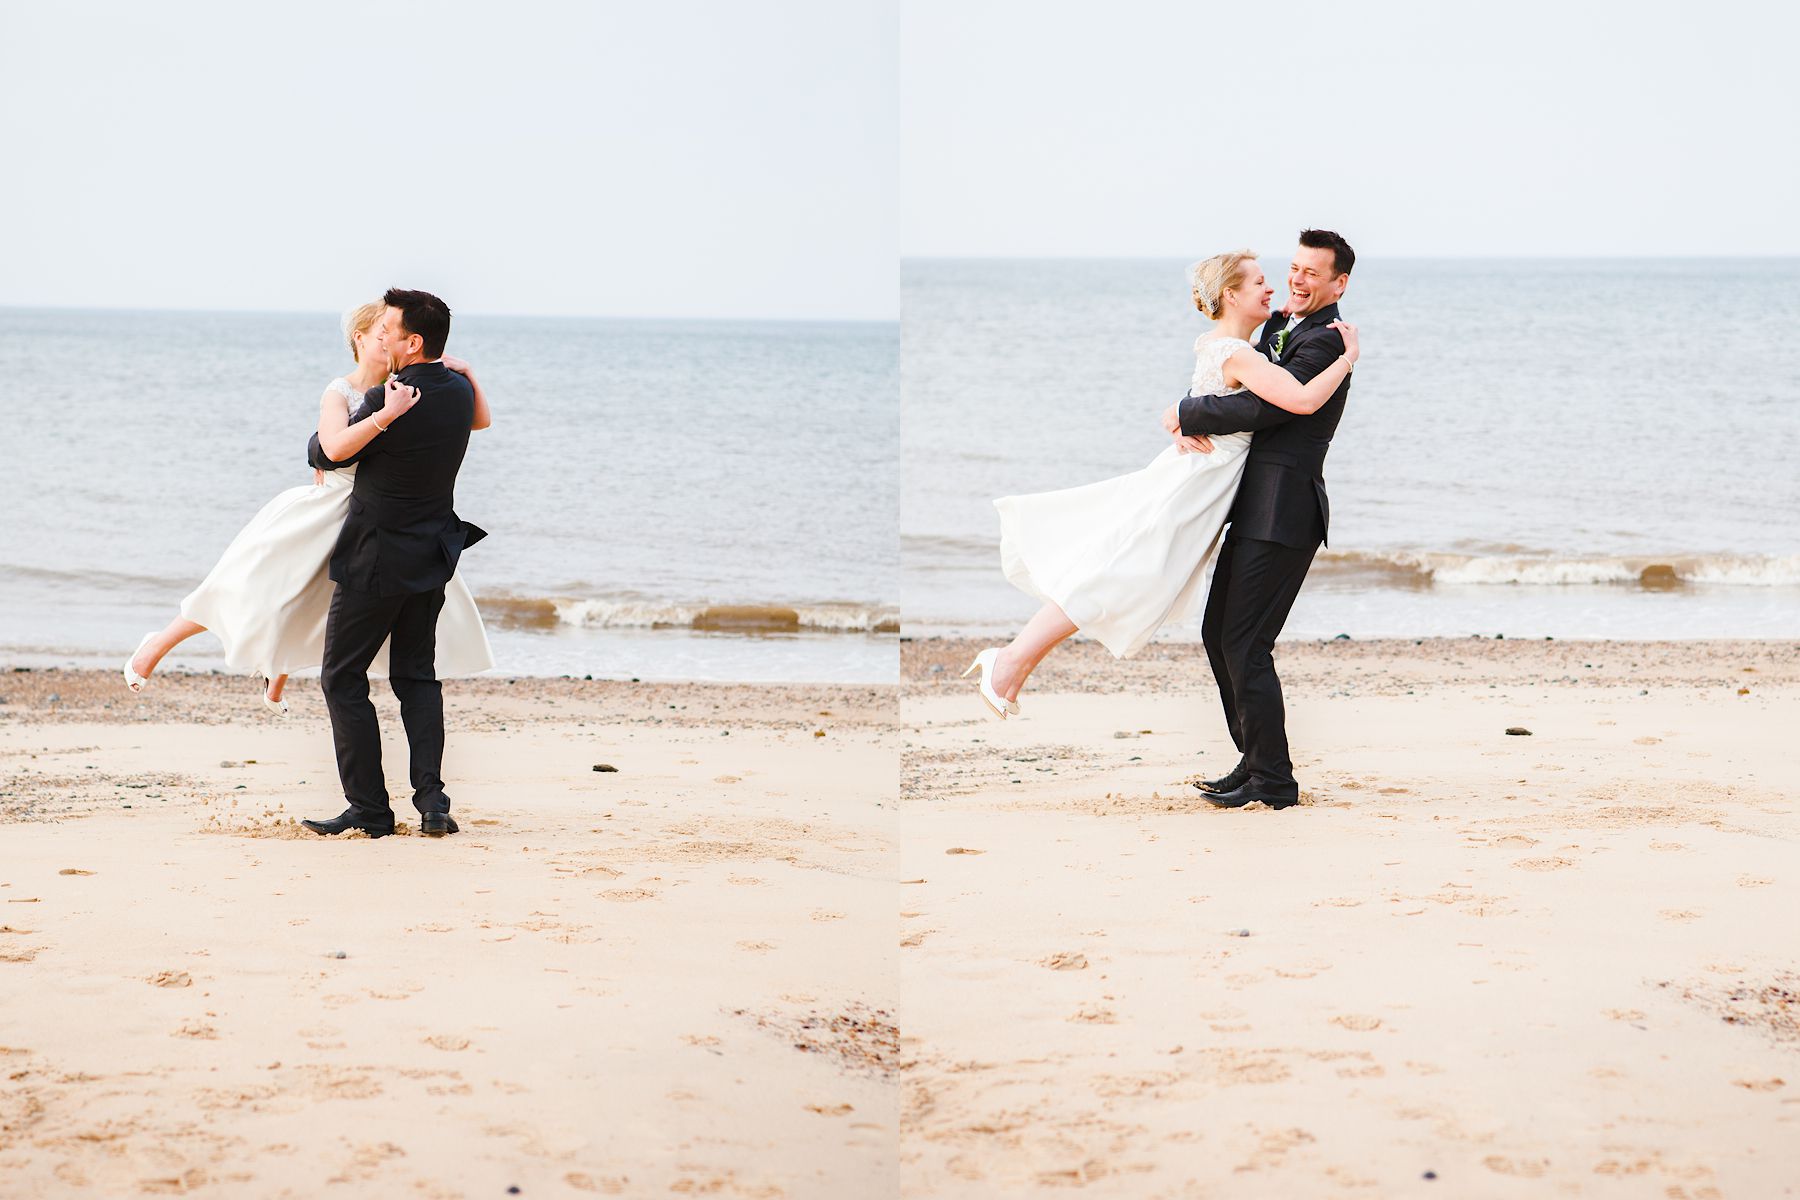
(1278, 521)
(397, 550)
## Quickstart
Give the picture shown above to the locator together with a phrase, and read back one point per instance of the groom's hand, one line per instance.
(1198, 444)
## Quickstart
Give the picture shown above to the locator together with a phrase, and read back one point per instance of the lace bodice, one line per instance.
(347, 390)
(1210, 354)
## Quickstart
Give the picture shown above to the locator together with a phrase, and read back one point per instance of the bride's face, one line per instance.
(1253, 295)
(368, 345)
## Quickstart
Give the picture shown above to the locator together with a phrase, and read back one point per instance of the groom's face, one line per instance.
(396, 343)
(1313, 281)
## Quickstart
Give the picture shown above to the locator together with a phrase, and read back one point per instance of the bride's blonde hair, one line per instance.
(1210, 278)
(358, 320)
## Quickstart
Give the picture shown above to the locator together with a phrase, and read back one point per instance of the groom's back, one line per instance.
(414, 475)
(402, 533)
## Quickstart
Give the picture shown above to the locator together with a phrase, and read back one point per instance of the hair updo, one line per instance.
(358, 320)
(1211, 278)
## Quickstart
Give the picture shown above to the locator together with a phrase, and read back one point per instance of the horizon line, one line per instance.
(313, 312)
(1599, 257)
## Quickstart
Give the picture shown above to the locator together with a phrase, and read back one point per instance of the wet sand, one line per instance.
(1470, 964)
(672, 978)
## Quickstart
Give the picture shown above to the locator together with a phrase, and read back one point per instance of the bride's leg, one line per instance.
(172, 635)
(1048, 628)
(275, 686)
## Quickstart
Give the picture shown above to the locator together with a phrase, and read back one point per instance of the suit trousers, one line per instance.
(1253, 590)
(354, 629)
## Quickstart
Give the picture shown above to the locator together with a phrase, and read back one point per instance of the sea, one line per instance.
(704, 500)
(1563, 448)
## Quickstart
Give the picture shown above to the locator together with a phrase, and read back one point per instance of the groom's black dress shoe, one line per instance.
(436, 824)
(1250, 793)
(346, 821)
(1233, 779)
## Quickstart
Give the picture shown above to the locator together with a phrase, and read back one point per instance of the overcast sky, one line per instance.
(1138, 127)
(675, 157)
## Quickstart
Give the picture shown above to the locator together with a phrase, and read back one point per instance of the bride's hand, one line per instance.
(398, 399)
(459, 365)
(1347, 331)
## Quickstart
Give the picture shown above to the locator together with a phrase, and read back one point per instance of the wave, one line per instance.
(547, 613)
(1423, 569)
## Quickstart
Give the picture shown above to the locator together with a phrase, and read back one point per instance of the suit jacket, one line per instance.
(402, 534)
(1282, 495)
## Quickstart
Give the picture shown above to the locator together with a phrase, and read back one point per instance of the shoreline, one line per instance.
(1080, 664)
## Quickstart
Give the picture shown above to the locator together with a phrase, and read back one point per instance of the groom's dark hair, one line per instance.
(424, 314)
(1343, 258)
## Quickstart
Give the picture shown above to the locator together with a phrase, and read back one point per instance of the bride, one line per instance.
(269, 594)
(1119, 558)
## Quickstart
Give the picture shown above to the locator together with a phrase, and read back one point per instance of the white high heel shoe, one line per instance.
(133, 681)
(999, 705)
(278, 707)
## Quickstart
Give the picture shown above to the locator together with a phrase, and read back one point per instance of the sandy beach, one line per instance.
(1470, 963)
(671, 978)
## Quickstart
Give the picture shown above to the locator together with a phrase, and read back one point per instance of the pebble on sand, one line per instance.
(606, 768)
(1517, 731)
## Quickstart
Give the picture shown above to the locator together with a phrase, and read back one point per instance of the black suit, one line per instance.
(398, 548)
(1278, 520)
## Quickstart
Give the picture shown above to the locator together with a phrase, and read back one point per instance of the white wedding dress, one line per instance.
(269, 594)
(1126, 555)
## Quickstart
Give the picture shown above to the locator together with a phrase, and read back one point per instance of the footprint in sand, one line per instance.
(1065, 960)
(830, 1110)
(628, 895)
(175, 1185)
(1357, 1021)
(1094, 1014)
(1523, 1168)
(1623, 1014)
(1544, 864)
(447, 1041)
(1515, 839)
(605, 1185)
(198, 1030)
(170, 979)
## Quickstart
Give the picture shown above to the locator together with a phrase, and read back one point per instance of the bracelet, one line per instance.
(378, 425)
